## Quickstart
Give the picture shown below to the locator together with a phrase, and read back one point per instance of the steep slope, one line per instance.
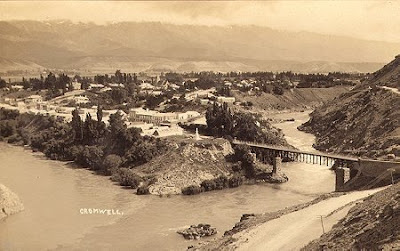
(370, 225)
(364, 121)
(62, 43)
(389, 75)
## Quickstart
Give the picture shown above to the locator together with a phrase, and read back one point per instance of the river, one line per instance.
(53, 194)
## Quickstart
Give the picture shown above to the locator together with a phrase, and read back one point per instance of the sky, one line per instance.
(372, 20)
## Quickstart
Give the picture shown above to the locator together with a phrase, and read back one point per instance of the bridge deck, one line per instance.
(286, 149)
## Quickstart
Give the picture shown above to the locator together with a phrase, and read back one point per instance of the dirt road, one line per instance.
(295, 230)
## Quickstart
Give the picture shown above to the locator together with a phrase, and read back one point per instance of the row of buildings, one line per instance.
(151, 123)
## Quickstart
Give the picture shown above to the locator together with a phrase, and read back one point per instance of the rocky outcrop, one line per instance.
(187, 163)
(196, 232)
(9, 202)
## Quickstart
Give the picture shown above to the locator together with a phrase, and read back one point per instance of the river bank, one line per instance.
(53, 194)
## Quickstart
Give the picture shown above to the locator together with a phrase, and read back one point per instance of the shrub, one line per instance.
(125, 177)
(278, 90)
(91, 156)
(111, 161)
(221, 182)
(14, 139)
(142, 190)
(191, 190)
(208, 185)
(235, 181)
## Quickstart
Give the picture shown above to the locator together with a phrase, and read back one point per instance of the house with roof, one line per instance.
(228, 100)
(33, 99)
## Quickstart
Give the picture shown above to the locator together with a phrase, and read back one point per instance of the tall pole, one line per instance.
(322, 224)
(391, 174)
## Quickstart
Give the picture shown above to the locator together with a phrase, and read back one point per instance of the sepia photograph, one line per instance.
(199, 125)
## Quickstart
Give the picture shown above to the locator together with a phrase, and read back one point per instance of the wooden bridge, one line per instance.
(299, 155)
(348, 168)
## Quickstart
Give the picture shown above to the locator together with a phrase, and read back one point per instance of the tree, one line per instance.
(77, 127)
(3, 83)
(50, 81)
(25, 83)
(278, 90)
(99, 114)
(90, 130)
(111, 162)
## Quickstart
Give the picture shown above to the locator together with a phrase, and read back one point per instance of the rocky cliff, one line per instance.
(9, 202)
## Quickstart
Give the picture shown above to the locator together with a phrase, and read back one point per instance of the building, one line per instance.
(204, 101)
(167, 131)
(146, 86)
(116, 85)
(95, 86)
(76, 85)
(17, 87)
(155, 117)
(33, 99)
(228, 100)
(80, 99)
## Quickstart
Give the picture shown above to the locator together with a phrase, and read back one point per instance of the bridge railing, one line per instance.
(286, 149)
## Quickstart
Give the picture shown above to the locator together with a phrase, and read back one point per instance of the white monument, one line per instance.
(197, 134)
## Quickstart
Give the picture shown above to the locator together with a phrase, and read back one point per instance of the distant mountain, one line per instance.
(162, 47)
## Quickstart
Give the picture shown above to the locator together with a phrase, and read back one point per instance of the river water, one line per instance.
(53, 194)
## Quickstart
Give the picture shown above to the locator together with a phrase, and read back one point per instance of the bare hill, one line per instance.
(294, 99)
(389, 75)
(364, 121)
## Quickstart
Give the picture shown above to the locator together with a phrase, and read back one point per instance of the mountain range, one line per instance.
(156, 47)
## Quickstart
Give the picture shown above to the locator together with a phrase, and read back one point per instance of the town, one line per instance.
(155, 104)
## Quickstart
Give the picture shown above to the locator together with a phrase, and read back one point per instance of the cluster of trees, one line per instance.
(222, 122)
(218, 183)
(89, 143)
(53, 83)
(118, 78)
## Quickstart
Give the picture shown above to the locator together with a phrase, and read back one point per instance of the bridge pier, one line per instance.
(277, 165)
(339, 185)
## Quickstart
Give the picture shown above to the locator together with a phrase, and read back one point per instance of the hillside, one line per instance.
(389, 75)
(294, 99)
(165, 47)
(370, 225)
(364, 121)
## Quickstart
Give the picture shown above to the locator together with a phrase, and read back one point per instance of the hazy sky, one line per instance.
(375, 20)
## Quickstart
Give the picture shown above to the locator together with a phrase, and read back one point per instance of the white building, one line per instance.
(95, 86)
(33, 99)
(80, 99)
(76, 85)
(150, 116)
(228, 100)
